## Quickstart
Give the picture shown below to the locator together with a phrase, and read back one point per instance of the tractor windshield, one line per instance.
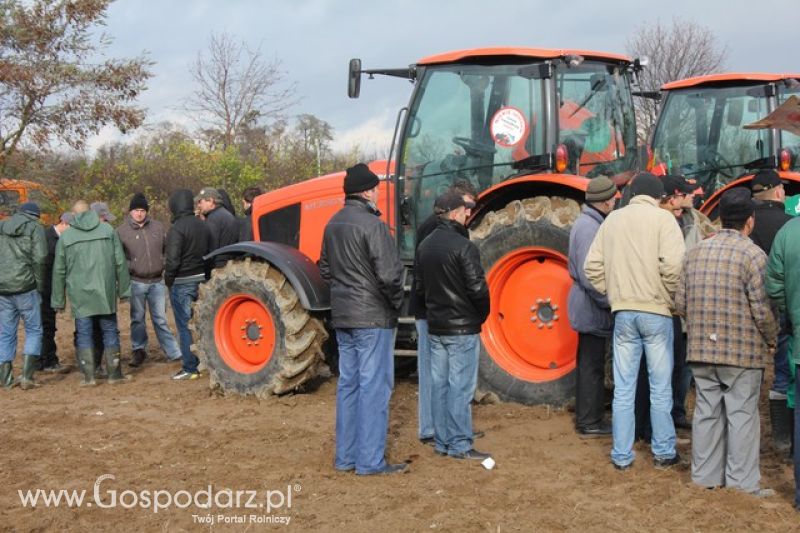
(487, 123)
(470, 122)
(790, 140)
(700, 133)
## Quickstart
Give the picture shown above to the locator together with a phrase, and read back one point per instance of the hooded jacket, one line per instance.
(188, 239)
(144, 248)
(783, 278)
(23, 253)
(90, 265)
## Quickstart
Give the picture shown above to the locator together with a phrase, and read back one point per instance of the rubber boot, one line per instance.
(781, 420)
(114, 367)
(86, 358)
(28, 368)
(6, 375)
(99, 369)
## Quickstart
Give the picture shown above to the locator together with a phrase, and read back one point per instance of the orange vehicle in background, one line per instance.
(14, 192)
(700, 132)
(528, 127)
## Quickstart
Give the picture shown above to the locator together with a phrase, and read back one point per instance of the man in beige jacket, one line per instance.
(635, 260)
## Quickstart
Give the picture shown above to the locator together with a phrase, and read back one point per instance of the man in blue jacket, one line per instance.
(589, 312)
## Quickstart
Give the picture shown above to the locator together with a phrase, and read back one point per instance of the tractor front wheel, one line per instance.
(528, 347)
(253, 334)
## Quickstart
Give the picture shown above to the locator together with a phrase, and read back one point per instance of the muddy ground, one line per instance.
(154, 434)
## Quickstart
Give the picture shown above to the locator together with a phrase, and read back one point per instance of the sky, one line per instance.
(315, 39)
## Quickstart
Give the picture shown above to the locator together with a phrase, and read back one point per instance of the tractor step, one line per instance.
(405, 353)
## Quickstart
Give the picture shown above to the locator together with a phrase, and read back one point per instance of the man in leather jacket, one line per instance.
(360, 261)
(451, 281)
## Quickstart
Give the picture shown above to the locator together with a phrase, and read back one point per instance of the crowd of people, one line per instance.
(84, 260)
(653, 280)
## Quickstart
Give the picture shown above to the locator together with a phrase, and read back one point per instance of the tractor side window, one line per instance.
(788, 139)
(9, 200)
(595, 117)
(281, 225)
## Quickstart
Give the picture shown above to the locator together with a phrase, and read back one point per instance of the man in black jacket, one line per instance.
(222, 225)
(245, 222)
(417, 308)
(49, 358)
(360, 261)
(188, 240)
(451, 281)
(770, 216)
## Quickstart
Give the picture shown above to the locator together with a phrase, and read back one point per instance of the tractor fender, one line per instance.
(302, 272)
(528, 186)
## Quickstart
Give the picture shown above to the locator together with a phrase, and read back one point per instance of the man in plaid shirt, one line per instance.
(732, 332)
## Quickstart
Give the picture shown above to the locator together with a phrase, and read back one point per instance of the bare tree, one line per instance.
(681, 50)
(51, 84)
(236, 87)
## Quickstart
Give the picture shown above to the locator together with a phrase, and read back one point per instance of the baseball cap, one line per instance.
(674, 184)
(765, 180)
(206, 193)
(448, 201)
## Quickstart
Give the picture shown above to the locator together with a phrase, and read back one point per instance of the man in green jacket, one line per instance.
(23, 250)
(90, 264)
(783, 286)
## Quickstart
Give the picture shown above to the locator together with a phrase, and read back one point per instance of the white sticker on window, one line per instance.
(508, 127)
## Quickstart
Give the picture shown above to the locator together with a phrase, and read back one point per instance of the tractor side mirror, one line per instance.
(354, 78)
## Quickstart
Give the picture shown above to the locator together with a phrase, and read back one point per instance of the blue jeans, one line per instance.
(28, 306)
(153, 295)
(84, 331)
(454, 371)
(366, 377)
(182, 296)
(635, 332)
(424, 380)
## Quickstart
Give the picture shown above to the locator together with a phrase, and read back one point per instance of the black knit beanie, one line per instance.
(359, 178)
(139, 202)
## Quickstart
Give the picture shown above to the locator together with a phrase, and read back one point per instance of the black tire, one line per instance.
(297, 354)
(542, 222)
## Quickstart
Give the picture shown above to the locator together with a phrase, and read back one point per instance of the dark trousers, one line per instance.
(48, 357)
(589, 380)
(681, 375)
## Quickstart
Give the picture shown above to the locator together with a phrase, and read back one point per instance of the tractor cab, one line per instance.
(488, 116)
(700, 131)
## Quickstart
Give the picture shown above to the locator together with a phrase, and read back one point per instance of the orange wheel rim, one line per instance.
(244, 331)
(527, 332)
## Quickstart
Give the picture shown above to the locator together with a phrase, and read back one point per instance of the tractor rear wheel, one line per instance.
(528, 347)
(253, 334)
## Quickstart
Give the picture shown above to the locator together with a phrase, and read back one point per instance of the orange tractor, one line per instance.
(700, 132)
(528, 128)
(14, 192)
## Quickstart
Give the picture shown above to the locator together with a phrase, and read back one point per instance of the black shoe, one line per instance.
(663, 464)
(477, 434)
(138, 358)
(622, 467)
(682, 423)
(388, 469)
(439, 452)
(602, 429)
(473, 454)
(428, 441)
